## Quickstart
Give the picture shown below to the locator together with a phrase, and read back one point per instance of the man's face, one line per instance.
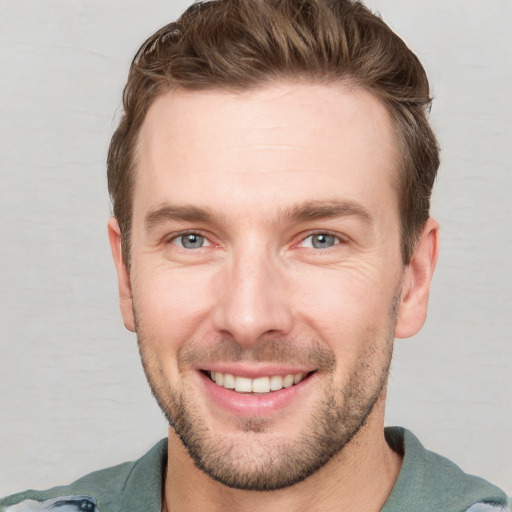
(265, 256)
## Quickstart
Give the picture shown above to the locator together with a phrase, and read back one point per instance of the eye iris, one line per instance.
(322, 241)
(192, 241)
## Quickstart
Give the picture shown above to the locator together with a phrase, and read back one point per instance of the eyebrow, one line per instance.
(317, 210)
(186, 213)
(303, 212)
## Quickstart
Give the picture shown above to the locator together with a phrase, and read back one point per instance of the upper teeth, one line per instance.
(259, 385)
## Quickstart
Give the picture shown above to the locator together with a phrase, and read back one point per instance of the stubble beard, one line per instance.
(253, 460)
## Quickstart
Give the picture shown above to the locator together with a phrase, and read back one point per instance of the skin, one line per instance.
(258, 297)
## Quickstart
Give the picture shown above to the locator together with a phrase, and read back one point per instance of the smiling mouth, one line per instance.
(260, 385)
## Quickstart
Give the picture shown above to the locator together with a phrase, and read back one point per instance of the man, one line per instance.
(271, 179)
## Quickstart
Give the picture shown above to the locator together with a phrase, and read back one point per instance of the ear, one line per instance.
(123, 275)
(416, 282)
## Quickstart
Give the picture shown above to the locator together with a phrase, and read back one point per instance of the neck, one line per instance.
(359, 478)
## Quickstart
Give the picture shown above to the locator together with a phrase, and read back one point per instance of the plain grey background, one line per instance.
(73, 395)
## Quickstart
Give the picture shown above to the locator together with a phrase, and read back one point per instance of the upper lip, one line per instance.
(253, 370)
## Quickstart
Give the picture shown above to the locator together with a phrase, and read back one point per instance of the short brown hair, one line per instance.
(244, 44)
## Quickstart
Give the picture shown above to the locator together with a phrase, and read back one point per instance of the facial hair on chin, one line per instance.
(257, 461)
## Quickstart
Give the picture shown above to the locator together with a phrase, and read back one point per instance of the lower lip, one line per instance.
(249, 404)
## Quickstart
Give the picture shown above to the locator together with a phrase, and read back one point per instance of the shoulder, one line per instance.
(101, 491)
(428, 481)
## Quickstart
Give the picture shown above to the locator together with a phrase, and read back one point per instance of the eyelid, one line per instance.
(172, 237)
(340, 237)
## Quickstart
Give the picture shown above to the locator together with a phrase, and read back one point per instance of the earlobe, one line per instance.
(416, 282)
(123, 274)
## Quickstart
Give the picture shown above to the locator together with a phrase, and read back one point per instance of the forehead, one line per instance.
(284, 142)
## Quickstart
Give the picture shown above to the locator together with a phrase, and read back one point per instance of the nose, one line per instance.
(253, 301)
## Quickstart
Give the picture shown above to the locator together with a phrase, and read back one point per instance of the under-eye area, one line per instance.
(259, 385)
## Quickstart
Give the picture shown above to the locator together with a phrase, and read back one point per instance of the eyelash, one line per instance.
(177, 236)
(339, 239)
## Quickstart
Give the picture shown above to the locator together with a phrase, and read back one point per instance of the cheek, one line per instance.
(352, 317)
(171, 304)
(344, 305)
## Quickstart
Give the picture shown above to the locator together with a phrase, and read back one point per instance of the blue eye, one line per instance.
(320, 241)
(190, 241)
